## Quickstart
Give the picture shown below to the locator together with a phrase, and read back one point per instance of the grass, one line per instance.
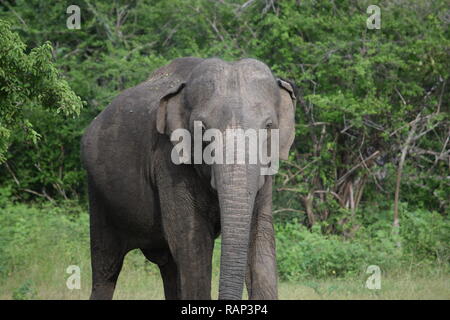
(140, 280)
(38, 244)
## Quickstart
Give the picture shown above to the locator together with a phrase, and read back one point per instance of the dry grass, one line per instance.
(141, 280)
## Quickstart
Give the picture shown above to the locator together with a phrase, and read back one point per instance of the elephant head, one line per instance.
(224, 95)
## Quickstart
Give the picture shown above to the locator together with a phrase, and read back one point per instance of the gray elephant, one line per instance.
(139, 198)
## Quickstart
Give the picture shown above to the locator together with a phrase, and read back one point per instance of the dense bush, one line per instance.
(426, 236)
(423, 241)
(304, 254)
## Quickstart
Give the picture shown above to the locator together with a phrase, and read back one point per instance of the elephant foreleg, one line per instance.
(261, 277)
(191, 246)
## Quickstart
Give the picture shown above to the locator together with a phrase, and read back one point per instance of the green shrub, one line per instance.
(423, 240)
(426, 236)
(304, 254)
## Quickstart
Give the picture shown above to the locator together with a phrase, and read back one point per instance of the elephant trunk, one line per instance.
(236, 187)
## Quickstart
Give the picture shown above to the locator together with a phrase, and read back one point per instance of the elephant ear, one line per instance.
(286, 117)
(171, 79)
(171, 114)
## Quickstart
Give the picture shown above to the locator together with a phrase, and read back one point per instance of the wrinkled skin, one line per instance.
(140, 199)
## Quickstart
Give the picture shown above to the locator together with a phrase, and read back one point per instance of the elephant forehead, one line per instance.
(246, 78)
(219, 71)
(253, 68)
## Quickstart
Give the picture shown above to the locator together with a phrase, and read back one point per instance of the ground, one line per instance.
(141, 280)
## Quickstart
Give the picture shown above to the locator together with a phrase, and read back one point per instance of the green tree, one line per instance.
(361, 91)
(28, 80)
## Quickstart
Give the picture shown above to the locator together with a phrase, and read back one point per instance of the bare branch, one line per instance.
(12, 173)
(342, 179)
(400, 170)
(287, 209)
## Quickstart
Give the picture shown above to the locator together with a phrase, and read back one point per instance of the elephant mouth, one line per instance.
(261, 179)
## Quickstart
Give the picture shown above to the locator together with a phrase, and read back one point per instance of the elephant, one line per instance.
(140, 199)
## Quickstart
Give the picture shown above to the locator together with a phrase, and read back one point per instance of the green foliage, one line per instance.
(28, 80)
(426, 236)
(304, 254)
(363, 85)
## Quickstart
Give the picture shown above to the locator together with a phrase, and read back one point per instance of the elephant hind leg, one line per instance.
(169, 274)
(106, 266)
(107, 251)
(168, 269)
